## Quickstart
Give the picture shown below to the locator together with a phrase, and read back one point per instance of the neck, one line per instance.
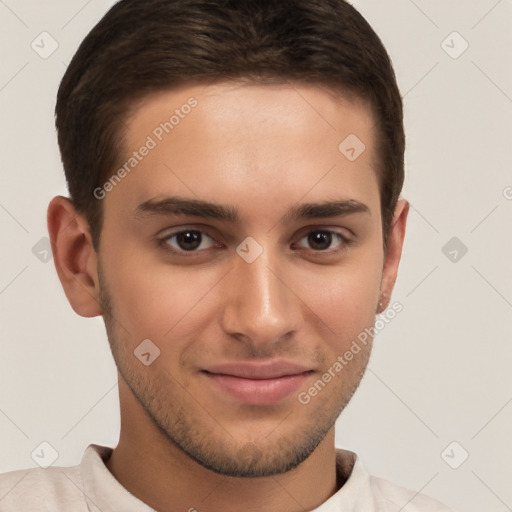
(160, 474)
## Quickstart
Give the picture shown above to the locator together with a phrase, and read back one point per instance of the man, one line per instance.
(234, 171)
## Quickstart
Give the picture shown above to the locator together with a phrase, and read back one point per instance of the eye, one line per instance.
(322, 239)
(188, 240)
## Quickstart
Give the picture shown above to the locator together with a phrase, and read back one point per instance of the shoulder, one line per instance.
(52, 489)
(375, 494)
(390, 496)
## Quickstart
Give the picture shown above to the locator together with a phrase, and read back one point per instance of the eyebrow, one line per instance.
(176, 206)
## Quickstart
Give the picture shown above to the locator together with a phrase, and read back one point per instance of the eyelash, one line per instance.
(164, 242)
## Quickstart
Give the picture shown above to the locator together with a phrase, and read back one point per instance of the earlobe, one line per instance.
(74, 256)
(393, 253)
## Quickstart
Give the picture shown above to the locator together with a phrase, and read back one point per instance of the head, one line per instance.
(234, 171)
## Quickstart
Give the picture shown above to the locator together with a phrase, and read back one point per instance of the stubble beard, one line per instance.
(188, 427)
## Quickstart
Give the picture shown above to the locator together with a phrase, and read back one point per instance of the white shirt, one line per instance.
(90, 487)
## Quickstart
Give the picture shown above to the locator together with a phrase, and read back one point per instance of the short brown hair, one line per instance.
(145, 46)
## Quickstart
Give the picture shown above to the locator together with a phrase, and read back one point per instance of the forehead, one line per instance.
(265, 108)
(231, 142)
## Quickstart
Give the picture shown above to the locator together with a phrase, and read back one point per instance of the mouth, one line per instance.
(258, 383)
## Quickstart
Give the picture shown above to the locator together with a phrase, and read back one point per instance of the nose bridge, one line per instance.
(259, 304)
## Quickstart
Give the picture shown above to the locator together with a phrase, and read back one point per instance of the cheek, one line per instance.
(343, 290)
(344, 298)
(159, 299)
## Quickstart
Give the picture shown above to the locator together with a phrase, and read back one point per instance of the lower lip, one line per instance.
(259, 392)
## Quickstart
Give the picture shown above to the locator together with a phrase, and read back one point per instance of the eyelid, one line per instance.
(338, 230)
(344, 232)
(205, 230)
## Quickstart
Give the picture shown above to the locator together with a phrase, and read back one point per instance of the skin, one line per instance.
(261, 149)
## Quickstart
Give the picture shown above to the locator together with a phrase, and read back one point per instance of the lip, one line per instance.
(260, 382)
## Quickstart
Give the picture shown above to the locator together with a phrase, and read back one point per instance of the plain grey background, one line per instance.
(434, 410)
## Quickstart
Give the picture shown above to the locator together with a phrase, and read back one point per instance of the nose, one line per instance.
(259, 306)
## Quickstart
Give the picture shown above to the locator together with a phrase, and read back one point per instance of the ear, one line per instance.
(393, 253)
(74, 256)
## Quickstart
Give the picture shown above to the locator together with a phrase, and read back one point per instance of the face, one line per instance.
(248, 249)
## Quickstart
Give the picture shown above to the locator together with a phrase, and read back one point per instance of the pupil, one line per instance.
(189, 240)
(320, 240)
